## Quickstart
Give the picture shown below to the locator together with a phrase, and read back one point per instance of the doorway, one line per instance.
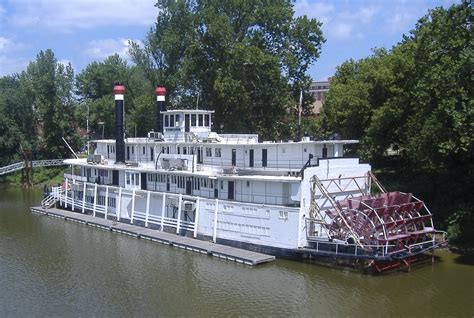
(230, 190)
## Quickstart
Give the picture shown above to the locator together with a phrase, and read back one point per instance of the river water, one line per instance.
(49, 267)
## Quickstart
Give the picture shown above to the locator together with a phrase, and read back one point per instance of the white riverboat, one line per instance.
(297, 199)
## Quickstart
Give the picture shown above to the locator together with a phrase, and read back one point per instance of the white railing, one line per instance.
(52, 197)
(12, 168)
(345, 249)
(67, 200)
(48, 163)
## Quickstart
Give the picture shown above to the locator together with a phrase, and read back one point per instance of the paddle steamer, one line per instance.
(298, 199)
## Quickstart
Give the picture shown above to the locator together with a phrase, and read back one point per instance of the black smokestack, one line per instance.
(119, 91)
(160, 92)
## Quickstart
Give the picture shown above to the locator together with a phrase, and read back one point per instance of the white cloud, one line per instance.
(339, 22)
(11, 65)
(65, 62)
(365, 15)
(64, 15)
(341, 30)
(2, 12)
(100, 49)
(3, 43)
(10, 62)
(316, 10)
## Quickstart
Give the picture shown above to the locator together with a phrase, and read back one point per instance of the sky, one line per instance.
(82, 31)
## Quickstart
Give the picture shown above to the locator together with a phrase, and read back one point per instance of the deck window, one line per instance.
(218, 152)
(193, 120)
(201, 120)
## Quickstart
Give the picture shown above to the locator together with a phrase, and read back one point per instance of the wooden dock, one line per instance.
(217, 250)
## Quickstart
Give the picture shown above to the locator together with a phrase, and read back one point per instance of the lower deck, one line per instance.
(209, 248)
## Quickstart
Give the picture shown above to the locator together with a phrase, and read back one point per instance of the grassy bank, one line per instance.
(40, 176)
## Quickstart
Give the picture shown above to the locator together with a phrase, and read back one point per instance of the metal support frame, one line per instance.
(66, 182)
(95, 200)
(73, 194)
(147, 213)
(214, 236)
(84, 198)
(106, 202)
(196, 218)
(178, 224)
(163, 205)
(119, 204)
(390, 222)
(133, 206)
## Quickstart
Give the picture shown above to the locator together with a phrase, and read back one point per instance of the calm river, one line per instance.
(49, 267)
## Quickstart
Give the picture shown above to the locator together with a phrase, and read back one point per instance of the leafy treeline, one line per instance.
(36, 110)
(417, 100)
(247, 60)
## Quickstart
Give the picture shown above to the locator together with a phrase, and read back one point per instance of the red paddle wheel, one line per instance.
(397, 223)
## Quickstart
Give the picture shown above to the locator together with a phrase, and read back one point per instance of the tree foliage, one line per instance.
(247, 60)
(17, 119)
(36, 110)
(417, 98)
(50, 85)
(94, 89)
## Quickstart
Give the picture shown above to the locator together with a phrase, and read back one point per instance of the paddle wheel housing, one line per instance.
(386, 226)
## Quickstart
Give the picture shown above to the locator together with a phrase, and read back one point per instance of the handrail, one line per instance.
(37, 163)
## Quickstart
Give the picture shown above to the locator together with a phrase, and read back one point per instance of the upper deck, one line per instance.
(188, 143)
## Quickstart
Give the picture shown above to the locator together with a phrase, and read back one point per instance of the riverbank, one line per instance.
(40, 176)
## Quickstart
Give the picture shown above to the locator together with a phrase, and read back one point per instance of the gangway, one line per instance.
(37, 163)
(52, 197)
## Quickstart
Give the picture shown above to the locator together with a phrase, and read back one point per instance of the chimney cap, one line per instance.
(160, 90)
(119, 89)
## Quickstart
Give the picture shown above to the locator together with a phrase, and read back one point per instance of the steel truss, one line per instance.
(37, 163)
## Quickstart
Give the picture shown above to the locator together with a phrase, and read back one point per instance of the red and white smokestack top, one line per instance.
(119, 91)
(160, 92)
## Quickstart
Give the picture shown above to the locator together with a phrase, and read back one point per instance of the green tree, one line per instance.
(417, 98)
(94, 87)
(50, 85)
(247, 60)
(17, 120)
